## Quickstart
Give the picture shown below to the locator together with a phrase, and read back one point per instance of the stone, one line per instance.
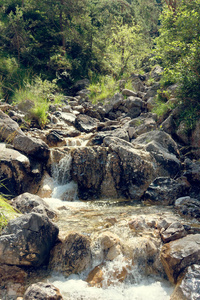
(86, 123)
(136, 167)
(165, 190)
(54, 139)
(27, 240)
(177, 255)
(68, 118)
(152, 91)
(13, 280)
(189, 288)
(42, 291)
(32, 147)
(72, 255)
(9, 129)
(27, 203)
(164, 150)
(175, 231)
(15, 172)
(156, 72)
(134, 105)
(126, 92)
(195, 140)
(188, 207)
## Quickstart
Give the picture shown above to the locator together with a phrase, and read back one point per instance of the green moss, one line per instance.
(7, 212)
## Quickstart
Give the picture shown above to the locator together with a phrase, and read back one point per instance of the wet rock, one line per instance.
(189, 207)
(85, 123)
(137, 224)
(31, 146)
(189, 288)
(27, 240)
(15, 172)
(109, 243)
(27, 203)
(174, 232)
(163, 148)
(102, 276)
(165, 190)
(42, 291)
(12, 281)
(54, 139)
(179, 254)
(137, 169)
(72, 255)
(9, 129)
(88, 169)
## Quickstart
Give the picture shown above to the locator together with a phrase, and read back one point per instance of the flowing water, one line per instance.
(92, 218)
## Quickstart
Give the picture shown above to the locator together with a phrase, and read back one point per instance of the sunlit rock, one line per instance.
(42, 291)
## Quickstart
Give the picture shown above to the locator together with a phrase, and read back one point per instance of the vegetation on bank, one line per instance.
(7, 212)
(46, 46)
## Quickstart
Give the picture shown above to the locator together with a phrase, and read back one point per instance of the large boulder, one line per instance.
(15, 172)
(137, 169)
(9, 129)
(27, 203)
(72, 255)
(32, 147)
(27, 240)
(189, 288)
(134, 106)
(177, 255)
(165, 190)
(88, 169)
(164, 150)
(42, 291)
(188, 207)
(86, 123)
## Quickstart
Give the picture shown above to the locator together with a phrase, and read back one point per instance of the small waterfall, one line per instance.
(64, 188)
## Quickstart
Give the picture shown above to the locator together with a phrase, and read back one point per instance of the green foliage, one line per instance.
(7, 212)
(40, 93)
(104, 88)
(178, 48)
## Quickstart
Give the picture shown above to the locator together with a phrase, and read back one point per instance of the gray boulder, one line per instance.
(165, 190)
(9, 129)
(42, 291)
(72, 255)
(134, 106)
(27, 203)
(86, 123)
(188, 207)
(177, 255)
(32, 146)
(164, 150)
(27, 240)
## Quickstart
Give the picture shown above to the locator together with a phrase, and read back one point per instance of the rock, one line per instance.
(27, 240)
(189, 288)
(192, 173)
(152, 91)
(15, 172)
(26, 105)
(126, 92)
(151, 102)
(9, 129)
(137, 224)
(195, 140)
(85, 123)
(179, 254)
(142, 124)
(27, 203)
(156, 73)
(134, 106)
(80, 85)
(182, 133)
(88, 169)
(54, 139)
(72, 255)
(12, 281)
(188, 207)
(136, 166)
(164, 150)
(31, 146)
(138, 85)
(102, 276)
(109, 243)
(165, 191)
(68, 118)
(168, 125)
(42, 291)
(174, 232)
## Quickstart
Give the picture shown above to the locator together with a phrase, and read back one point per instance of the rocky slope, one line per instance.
(118, 150)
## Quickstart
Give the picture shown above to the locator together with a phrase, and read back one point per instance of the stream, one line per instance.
(92, 218)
